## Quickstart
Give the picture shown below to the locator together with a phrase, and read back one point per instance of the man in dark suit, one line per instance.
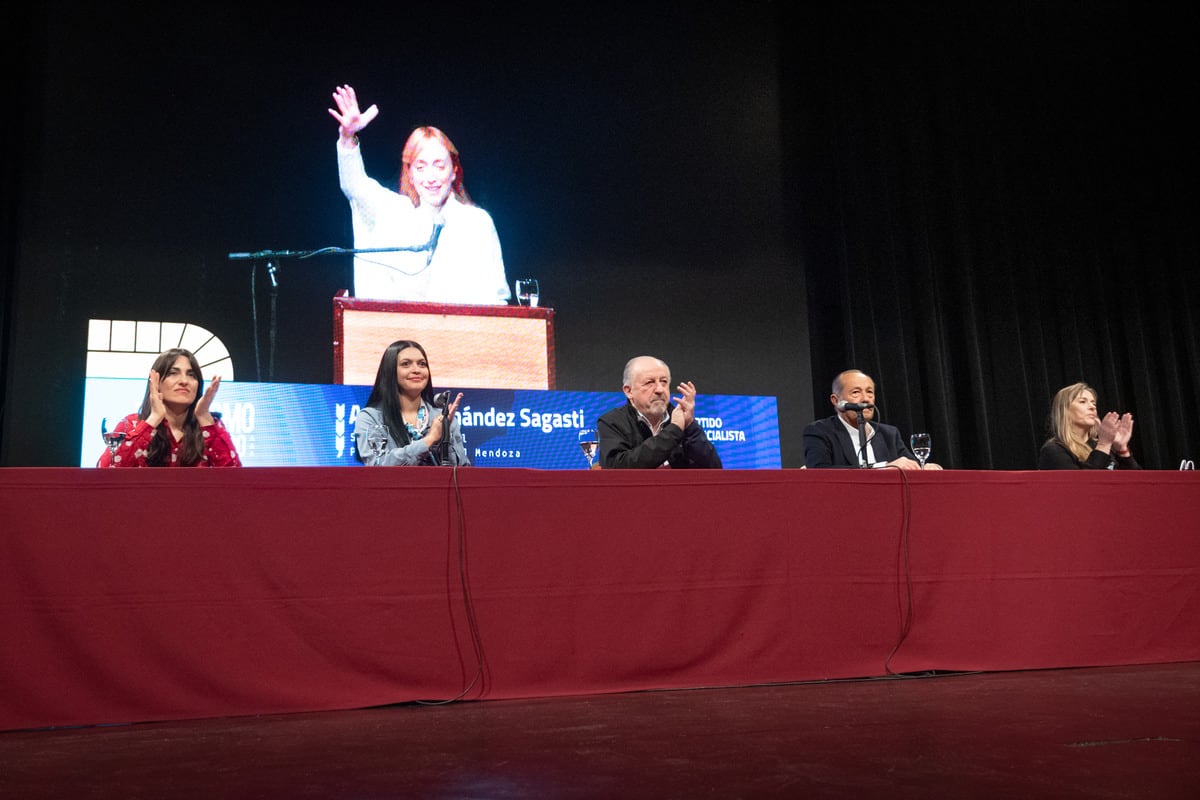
(834, 441)
(650, 431)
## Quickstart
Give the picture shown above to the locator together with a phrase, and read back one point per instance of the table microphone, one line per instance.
(442, 401)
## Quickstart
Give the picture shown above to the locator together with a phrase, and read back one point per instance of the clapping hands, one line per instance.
(1115, 432)
(685, 405)
(435, 432)
(1123, 434)
(158, 409)
(203, 415)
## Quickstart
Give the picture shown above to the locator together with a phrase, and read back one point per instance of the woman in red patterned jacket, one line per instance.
(174, 427)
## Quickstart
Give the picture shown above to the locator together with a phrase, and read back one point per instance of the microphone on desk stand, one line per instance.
(442, 400)
(846, 405)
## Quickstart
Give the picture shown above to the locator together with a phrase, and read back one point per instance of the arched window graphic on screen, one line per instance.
(122, 348)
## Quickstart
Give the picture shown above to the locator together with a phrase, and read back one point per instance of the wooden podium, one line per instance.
(489, 347)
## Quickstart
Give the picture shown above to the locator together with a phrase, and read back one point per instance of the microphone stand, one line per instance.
(273, 257)
(862, 439)
(444, 444)
(273, 275)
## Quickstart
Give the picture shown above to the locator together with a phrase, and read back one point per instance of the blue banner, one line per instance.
(295, 424)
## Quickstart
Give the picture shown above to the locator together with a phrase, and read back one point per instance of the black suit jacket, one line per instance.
(827, 443)
(626, 443)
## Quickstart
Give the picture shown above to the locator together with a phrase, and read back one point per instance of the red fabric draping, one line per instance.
(160, 594)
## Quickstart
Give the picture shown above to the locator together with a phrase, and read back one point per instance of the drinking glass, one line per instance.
(377, 441)
(527, 292)
(111, 438)
(922, 445)
(589, 443)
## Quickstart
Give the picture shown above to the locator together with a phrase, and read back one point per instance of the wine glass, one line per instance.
(377, 441)
(527, 292)
(922, 445)
(112, 439)
(589, 444)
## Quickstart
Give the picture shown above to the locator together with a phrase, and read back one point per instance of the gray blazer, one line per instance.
(408, 453)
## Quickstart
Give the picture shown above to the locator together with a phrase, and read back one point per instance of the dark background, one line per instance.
(975, 206)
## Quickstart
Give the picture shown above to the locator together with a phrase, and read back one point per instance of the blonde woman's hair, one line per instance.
(1063, 431)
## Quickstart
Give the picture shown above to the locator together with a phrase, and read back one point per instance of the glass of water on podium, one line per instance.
(112, 439)
(589, 443)
(922, 446)
(527, 292)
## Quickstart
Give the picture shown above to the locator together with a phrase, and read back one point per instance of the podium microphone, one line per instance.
(846, 405)
(438, 223)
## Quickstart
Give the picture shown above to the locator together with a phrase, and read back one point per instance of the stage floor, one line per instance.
(1115, 732)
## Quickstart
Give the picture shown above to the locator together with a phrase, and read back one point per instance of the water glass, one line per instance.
(527, 292)
(112, 439)
(589, 444)
(922, 446)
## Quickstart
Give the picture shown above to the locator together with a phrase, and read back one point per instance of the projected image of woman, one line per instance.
(432, 206)
(174, 427)
(400, 425)
(1082, 439)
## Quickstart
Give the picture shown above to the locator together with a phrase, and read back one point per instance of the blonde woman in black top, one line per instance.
(1082, 439)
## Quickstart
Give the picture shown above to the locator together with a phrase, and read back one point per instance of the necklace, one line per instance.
(422, 416)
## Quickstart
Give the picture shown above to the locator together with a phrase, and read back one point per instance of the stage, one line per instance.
(1100, 732)
(169, 594)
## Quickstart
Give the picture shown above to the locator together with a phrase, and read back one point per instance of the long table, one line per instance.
(164, 594)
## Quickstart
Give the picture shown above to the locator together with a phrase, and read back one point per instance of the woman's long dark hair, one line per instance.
(385, 394)
(192, 445)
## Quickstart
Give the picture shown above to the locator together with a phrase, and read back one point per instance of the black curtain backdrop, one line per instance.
(993, 204)
(974, 206)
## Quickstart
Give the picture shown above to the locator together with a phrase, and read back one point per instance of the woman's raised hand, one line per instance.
(436, 428)
(349, 118)
(453, 407)
(203, 415)
(434, 434)
(158, 409)
(1109, 424)
(1124, 433)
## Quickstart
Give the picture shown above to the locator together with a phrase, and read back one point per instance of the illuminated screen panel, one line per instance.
(498, 347)
(293, 424)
